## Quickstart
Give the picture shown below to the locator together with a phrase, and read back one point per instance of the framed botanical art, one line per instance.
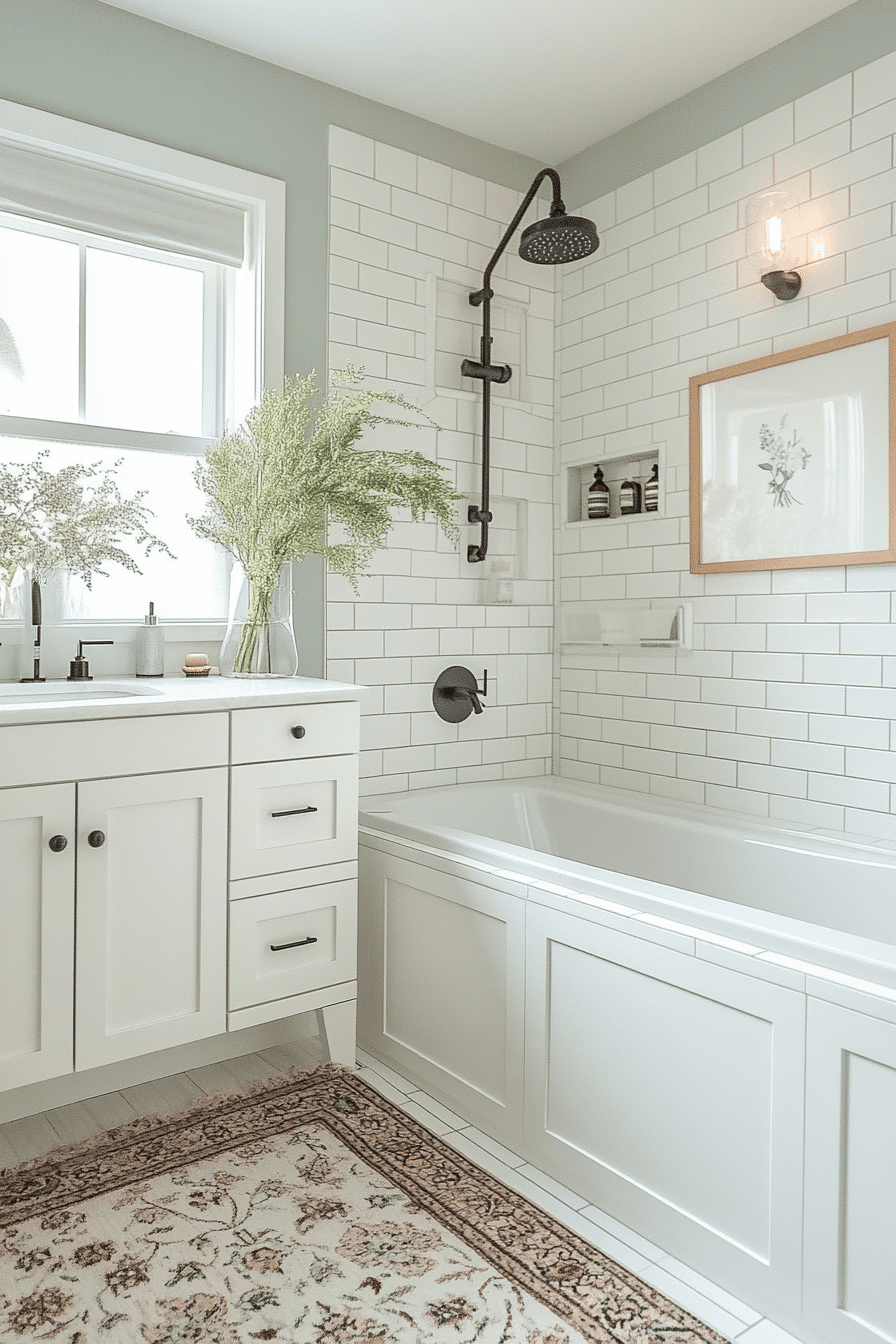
(793, 458)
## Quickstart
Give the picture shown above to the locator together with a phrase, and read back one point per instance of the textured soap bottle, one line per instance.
(150, 646)
(598, 496)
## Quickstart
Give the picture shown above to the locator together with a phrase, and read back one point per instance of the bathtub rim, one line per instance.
(604, 895)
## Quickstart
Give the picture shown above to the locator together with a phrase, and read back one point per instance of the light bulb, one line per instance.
(774, 237)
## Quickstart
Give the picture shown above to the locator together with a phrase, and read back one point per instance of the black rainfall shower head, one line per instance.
(549, 242)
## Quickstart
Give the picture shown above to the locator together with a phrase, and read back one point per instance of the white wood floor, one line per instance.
(38, 1134)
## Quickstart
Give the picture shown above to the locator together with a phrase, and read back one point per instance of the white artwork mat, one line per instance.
(795, 458)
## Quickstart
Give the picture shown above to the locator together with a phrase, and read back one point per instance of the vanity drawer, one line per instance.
(35, 753)
(294, 732)
(293, 814)
(289, 942)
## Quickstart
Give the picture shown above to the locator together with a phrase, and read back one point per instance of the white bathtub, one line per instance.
(840, 886)
(687, 1018)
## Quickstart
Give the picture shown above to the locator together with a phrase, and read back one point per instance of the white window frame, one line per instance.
(260, 283)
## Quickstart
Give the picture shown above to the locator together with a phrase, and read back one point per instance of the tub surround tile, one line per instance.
(398, 219)
(799, 642)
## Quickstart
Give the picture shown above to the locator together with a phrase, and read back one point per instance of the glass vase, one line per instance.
(260, 641)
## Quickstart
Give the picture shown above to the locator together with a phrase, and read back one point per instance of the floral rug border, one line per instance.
(528, 1246)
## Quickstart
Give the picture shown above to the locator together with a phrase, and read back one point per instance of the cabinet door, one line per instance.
(37, 910)
(152, 913)
(849, 1286)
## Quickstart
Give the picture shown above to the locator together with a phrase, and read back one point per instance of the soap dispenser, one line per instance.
(150, 646)
(598, 496)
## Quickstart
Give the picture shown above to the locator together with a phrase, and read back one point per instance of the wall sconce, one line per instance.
(774, 238)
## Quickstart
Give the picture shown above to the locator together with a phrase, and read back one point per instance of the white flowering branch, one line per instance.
(70, 519)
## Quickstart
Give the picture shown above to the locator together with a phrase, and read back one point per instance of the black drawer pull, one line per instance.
(294, 812)
(96, 839)
(57, 843)
(281, 947)
(298, 731)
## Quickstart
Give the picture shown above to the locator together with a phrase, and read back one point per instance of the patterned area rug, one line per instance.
(307, 1210)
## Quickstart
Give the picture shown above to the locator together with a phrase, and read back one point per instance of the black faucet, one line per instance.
(456, 693)
(36, 621)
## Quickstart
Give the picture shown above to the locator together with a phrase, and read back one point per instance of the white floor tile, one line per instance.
(766, 1332)
(703, 1307)
(450, 1118)
(374, 1080)
(384, 1071)
(625, 1234)
(432, 1122)
(553, 1187)
(481, 1156)
(492, 1146)
(710, 1290)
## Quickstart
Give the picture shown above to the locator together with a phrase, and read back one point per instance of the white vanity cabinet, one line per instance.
(147, 859)
(36, 932)
(293, 867)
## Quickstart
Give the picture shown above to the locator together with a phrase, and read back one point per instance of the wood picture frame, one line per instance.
(793, 458)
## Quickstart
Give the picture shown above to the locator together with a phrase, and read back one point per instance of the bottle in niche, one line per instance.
(598, 496)
(629, 497)
(499, 585)
(652, 490)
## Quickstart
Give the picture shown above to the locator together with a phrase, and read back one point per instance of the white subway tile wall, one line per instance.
(785, 707)
(409, 238)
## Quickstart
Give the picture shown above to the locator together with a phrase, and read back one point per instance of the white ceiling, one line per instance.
(546, 80)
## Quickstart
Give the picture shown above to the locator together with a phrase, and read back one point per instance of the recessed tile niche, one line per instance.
(635, 466)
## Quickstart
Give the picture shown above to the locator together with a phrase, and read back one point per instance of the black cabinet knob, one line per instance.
(298, 731)
(57, 843)
(96, 839)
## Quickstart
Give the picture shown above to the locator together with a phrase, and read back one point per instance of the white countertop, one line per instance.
(59, 702)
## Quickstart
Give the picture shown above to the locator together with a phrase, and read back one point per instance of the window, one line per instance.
(141, 313)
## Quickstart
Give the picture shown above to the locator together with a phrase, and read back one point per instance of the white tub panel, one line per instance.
(678, 1097)
(669, 1092)
(441, 954)
(851, 1175)
(441, 985)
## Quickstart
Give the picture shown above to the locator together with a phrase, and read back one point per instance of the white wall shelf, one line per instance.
(588, 626)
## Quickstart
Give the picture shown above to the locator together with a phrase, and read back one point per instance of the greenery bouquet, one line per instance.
(275, 486)
(70, 521)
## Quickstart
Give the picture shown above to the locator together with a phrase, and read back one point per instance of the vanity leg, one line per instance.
(336, 1025)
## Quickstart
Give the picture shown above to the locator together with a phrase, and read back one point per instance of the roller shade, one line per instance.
(119, 205)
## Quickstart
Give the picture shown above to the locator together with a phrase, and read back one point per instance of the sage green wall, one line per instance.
(94, 63)
(853, 37)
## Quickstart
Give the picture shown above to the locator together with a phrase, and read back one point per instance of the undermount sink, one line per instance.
(70, 692)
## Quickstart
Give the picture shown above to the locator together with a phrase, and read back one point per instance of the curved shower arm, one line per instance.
(557, 208)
